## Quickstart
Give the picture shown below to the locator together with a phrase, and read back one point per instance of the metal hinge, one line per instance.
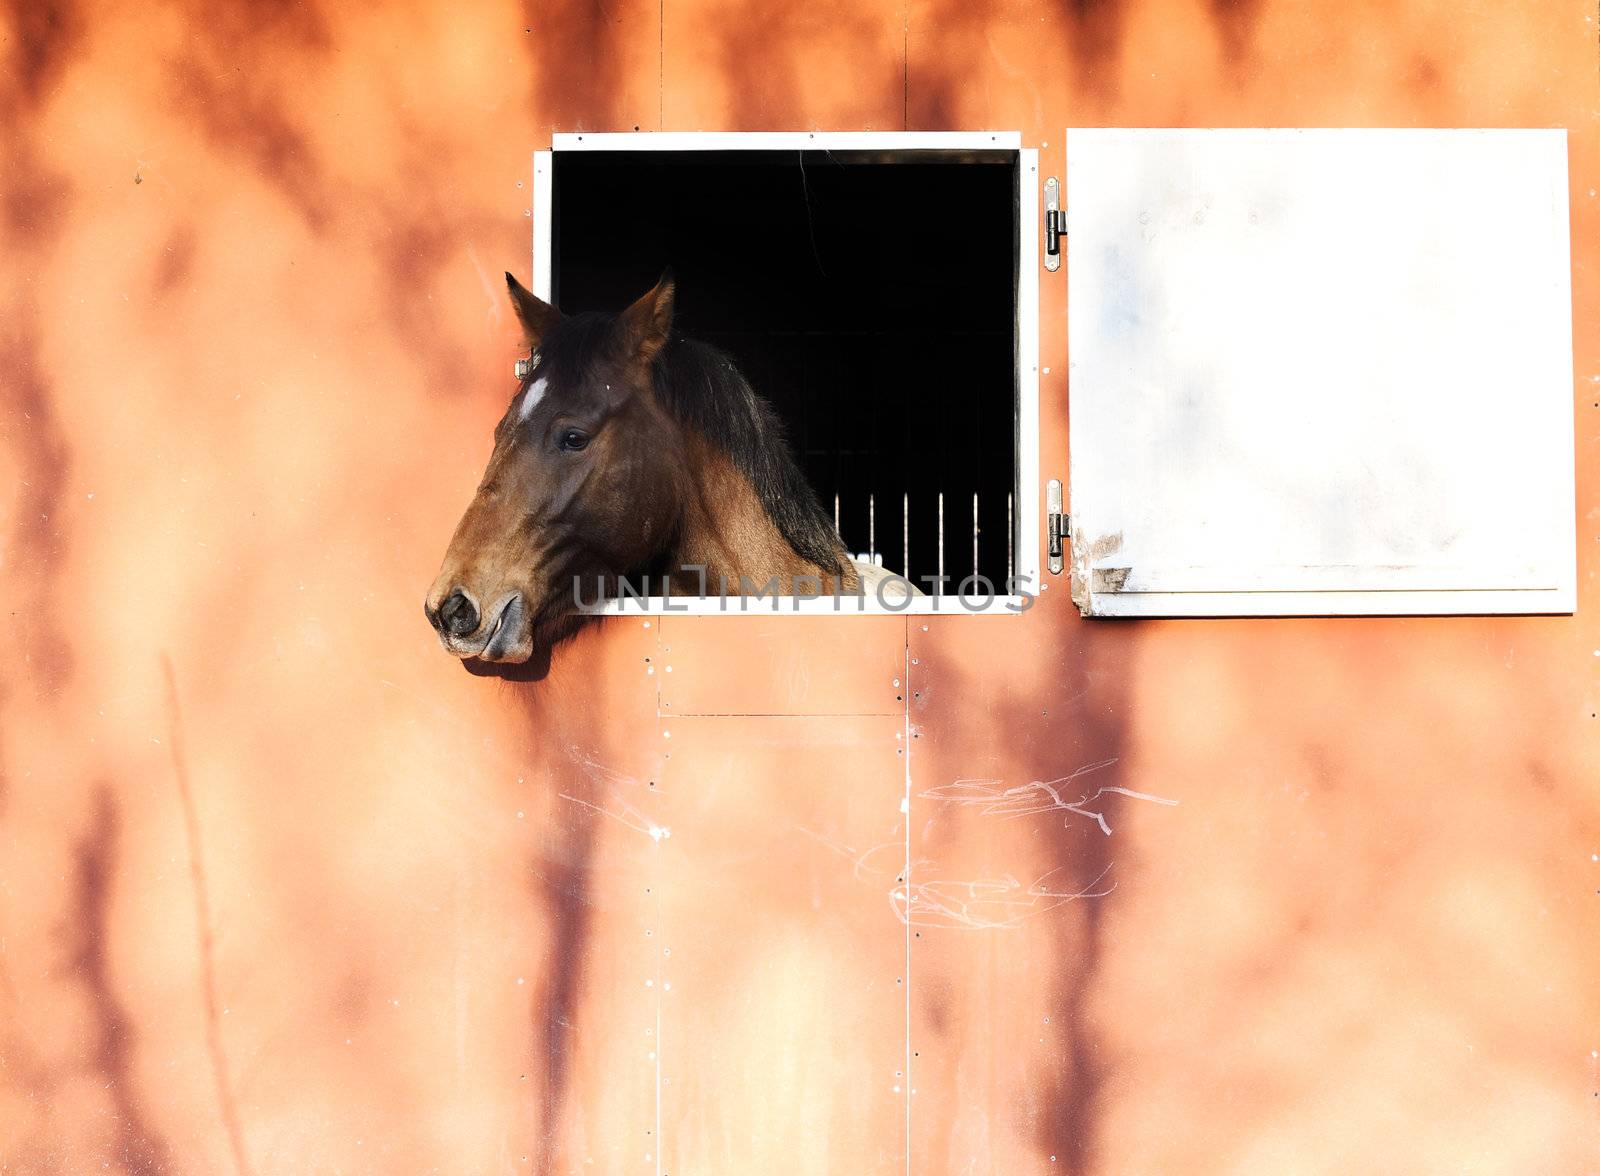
(1060, 526)
(1055, 224)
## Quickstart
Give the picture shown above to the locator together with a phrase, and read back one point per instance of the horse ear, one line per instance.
(538, 318)
(644, 326)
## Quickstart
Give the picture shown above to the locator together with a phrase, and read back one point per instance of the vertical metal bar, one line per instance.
(1011, 555)
(974, 533)
(836, 512)
(939, 591)
(872, 528)
(905, 534)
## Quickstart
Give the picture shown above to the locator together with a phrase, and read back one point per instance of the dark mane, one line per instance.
(705, 391)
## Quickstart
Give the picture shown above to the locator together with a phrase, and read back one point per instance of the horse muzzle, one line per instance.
(498, 634)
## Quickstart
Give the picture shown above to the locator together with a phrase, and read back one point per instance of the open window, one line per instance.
(1311, 371)
(903, 361)
(1319, 371)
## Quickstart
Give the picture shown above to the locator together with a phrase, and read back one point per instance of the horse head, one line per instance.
(586, 480)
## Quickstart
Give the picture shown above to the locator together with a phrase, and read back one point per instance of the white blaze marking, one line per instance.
(530, 400)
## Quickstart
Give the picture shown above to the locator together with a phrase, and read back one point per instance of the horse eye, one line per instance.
(573, 440)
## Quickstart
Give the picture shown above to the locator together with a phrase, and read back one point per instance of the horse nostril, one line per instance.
(458, 614)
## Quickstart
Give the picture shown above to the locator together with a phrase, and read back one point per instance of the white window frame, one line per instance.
(1027, 490)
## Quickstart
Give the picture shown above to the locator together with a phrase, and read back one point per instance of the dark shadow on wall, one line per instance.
(1094, 38)
(111, 1040)
(1094, 31)
(415, 250)
(764, 79)
(234, 84)
(1096, 724)
(1091, 34)
(242, 117)
(560, 884)
(39, 537)
(1078, 717)
(1235, 22)
(575, 51)
(49, 33)
(560, 719)
(35, 198)
(932, 98)
(34, 202)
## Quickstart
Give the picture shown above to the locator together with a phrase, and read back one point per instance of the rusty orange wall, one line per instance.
(283, 890)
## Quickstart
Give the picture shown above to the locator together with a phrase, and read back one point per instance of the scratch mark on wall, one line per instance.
(859, 862)
(610, 779)
(630, 817)
(1037, 796)
(987, 904)
(598, 772)
(226, 1105)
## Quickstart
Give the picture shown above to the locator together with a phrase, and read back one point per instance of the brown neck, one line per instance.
(728, 532)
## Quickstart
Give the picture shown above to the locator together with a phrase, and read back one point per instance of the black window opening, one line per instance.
(870, 296)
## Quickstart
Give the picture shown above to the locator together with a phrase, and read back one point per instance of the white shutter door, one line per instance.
(1320, 371)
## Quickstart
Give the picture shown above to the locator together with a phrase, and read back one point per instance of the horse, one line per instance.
(628, 451)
